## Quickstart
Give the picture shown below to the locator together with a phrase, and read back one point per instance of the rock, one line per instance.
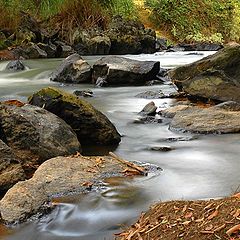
(73, 69)
(50, 49)
(207, 120)
(30, 51)
(154, 82)
(83, 93)
(172, 111)
(130, 37)
(148, 120)
(149, 109)
(90, 125)
(161, 148)
(99, 45)
(119, 70)
(161, 44)
(151, 94)
(15, 65)
(60, 175)
(35, 134)
(63, 50)
(215, 77)
(178, 139)
(204, 46)
(10, 169)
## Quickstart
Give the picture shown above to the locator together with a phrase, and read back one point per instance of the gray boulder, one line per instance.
(10, 169)
(90, 125)
(150, 109)
(35, 134)
(73, 69)
(118, 70)
(215, 77)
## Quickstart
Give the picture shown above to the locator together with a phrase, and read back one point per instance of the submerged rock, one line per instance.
(90, 125)
(83, 93)
(161, 148)
(118, 70)
(35, 134)
(11, 170)
(215, 77)
(73, 69)
(15, 65)
(216, 119)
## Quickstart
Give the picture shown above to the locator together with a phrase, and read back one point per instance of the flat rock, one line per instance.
(122, 71)
(73, 69)
(207, 120)
(35, 134)
(11, 170)
(172, 111)
(215, 77)
(90, 125)
(60, 175)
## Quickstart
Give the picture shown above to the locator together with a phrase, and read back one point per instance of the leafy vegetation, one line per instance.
(197, 20)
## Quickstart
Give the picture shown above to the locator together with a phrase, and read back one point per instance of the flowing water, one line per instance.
(204, 167)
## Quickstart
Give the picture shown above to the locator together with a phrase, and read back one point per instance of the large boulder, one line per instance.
(58, 175)
(130, 37)
(10, 169)
(90, 125)
(73, 69)
(222, 118)
(35, 134)
(119, 70)
(214, 77)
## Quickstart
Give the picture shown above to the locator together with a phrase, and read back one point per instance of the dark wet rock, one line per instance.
(215, 77)
(15, 65)
(83, 93)
(178, 139)
(50, 49)
(172, 111)
(161, 44)
(130, 37)
(73, 69)
(60, 175)
(154, 82)
(63, 50)
(161, 148)
(119, 70)
(148, 120)
(35, 134)
(11, 170)
(204, 46)
(207, 120)
(150, 109)
(175, 49)
(90, 125)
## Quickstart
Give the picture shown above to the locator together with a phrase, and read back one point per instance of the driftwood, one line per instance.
(141, 170)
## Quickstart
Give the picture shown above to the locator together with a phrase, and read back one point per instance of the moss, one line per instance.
(55, 93)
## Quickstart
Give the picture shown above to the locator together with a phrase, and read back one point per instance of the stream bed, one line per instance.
(198, 167)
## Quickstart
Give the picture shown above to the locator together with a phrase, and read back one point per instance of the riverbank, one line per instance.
(212, 219)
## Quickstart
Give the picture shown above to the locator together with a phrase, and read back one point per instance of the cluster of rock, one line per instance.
(121, 37)
(56, 124)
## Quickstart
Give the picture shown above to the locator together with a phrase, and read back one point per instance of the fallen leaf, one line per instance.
(237, 213)
(208, 228)
(233, 229)
(188, 215)
(213, 215)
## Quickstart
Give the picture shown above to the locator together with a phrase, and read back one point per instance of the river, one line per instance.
(207, 166)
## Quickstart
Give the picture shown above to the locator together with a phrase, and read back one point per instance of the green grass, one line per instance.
(197, 20)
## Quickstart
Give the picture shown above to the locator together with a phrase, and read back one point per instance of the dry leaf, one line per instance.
(188, 215)
(213, 215)
(233, 229)
(184, 208)
(208, 228)
(237, 213)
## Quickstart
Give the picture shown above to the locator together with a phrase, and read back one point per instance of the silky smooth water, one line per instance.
(206, 167)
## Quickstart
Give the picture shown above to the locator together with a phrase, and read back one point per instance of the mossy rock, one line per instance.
(90, 125)
(215, 77)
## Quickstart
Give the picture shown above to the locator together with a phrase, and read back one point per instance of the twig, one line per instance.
(129, 164)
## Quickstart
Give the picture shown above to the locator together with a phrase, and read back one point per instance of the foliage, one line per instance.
(203, 20)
